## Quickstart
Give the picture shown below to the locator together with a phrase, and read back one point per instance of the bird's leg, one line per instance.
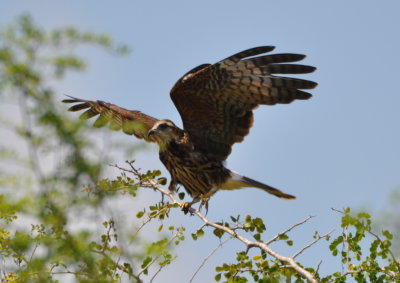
(205, 203)
(187, 205)
(162, 199)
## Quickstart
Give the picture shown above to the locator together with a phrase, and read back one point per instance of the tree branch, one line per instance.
(157, 257)
(390, 252)
(249, 244)
(207, 257)
(312, 243)
(289, 229)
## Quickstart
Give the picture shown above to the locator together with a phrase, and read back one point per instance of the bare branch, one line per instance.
(290, 261)
(289, 229)
(337, 210)
(350, 272)
(317, 269)
(157, 272)
(32, 148)
(207, 257)
(312, 243)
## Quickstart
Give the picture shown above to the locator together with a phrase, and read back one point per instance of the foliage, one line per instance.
(53, 223)
(42, 206)
(384, 219)
(363, 254)
(371, 260)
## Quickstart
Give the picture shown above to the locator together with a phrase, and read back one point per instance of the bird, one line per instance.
(216, 103)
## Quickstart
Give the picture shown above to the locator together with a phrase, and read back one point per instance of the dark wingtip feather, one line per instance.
(312, 68)
(255, 51)
(72, 99)
(68, 100)
(312, 84)
(250, 52)
(302, 95)
(265, 48)
(78, 107)
(297, 57)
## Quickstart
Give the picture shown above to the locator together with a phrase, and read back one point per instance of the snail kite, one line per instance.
(215, 102)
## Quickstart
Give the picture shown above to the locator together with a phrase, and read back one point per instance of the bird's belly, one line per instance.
(196, 173)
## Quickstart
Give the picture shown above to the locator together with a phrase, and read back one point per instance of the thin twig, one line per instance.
(317, 269)
(346, 245)
(123, 248)
(119, 266)
(337, 210)
(116, 263)
(32, 149)
(350, 272)
(390, 252)
(149, 218)
(157, 257)
(33, 252)
(311, 244)
(108, 239)
(208, 257)
(155, 274)
(289, 229)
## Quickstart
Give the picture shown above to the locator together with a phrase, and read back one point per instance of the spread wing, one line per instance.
(216, 101)
(131, 122)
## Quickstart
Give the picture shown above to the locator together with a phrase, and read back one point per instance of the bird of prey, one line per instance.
(216, 103)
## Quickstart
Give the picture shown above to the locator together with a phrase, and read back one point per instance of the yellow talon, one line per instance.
(185, 206)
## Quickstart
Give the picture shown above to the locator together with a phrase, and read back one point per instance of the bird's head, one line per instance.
(164, 131)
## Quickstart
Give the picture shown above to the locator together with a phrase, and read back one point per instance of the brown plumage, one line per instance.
(215, 103)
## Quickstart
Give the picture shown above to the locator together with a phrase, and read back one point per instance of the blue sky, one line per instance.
(339, 149)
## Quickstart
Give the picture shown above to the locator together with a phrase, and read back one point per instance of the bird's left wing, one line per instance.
(131, 122)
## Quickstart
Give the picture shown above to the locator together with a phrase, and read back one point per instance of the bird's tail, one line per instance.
(237, 181)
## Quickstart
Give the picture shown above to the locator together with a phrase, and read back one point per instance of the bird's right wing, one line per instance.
(216, 101)
(131, 122)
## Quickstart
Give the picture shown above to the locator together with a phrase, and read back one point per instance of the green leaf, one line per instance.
(162, 181)
(218, 232)
(283, 237)
(258, 221)
(200, 233)
(146, 261)
(20, 242)
(257, 257)
(387, 234)
(363, 215)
